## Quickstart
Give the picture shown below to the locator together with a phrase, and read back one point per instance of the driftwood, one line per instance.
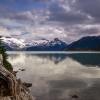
(11, 88)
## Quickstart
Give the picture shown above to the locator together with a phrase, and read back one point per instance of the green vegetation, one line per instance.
(6, 64)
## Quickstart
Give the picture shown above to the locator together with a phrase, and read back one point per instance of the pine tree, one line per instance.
(6, 64)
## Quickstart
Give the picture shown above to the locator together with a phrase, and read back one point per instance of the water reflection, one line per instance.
(83, 58)
(60, 76)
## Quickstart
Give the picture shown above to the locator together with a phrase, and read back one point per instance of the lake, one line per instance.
(59, 76)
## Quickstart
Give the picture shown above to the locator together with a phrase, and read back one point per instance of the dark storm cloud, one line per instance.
(91, 7)
(60, 14)
(78, 13)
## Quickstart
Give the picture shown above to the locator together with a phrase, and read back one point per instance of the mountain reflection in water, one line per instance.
(60, 76)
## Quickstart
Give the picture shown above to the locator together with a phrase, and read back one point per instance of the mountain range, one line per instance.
(89, 43)
(15, 44)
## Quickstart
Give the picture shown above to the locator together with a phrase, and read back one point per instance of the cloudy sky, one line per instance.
(39, 19)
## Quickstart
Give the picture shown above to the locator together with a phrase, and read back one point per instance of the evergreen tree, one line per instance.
(6, 64)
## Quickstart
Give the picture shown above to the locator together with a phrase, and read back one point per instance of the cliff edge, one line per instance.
(12, 88)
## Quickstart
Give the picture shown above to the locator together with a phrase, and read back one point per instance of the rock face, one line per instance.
(10, 87)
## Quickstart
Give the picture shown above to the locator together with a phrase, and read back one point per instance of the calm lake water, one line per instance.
(59, 76)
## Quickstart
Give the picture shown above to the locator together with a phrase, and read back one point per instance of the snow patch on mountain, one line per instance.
(14, 42)
(38, 42)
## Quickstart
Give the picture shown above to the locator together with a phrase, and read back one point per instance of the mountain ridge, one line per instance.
(14, 44)
(88, 43)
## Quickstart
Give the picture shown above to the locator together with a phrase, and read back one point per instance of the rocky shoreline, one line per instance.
(12, 88)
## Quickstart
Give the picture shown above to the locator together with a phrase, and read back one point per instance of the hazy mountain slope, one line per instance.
(86, 43)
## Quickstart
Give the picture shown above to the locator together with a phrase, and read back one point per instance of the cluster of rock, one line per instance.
(12, 88)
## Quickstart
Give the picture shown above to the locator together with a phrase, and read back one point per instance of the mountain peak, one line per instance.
(56, 39)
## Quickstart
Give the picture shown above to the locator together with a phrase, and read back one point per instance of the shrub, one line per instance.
(6, 64)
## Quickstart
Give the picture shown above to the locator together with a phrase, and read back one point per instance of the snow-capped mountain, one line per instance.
(12, 43)
(47, 45)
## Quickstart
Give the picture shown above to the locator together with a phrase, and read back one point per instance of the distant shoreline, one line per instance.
(52, 52)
